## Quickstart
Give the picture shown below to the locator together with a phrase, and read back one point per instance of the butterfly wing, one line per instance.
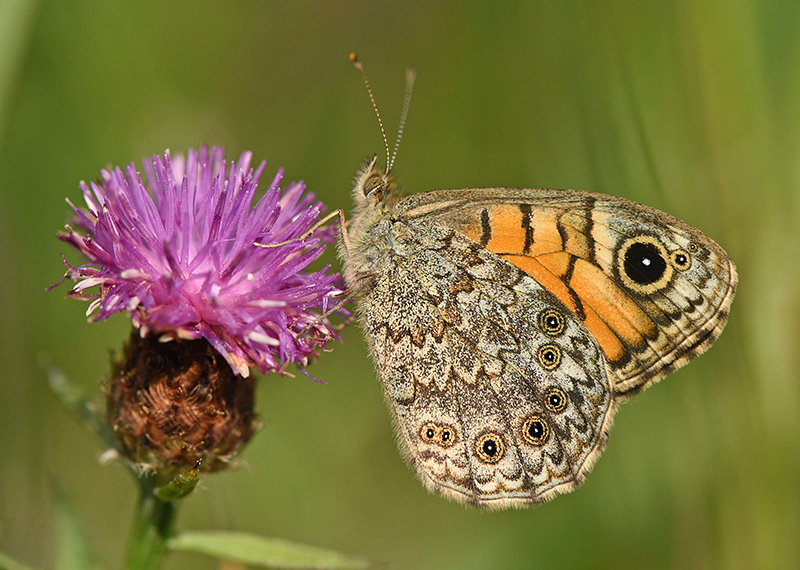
(654, 291)
(499, 393)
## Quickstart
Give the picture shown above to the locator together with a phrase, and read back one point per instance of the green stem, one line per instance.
(152, 529)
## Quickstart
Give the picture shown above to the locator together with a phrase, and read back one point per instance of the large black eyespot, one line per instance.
(490, 447)
(535, 430)
(551, 322)
(549, 356)
(555, 399)
(643, 264)
(681, 260)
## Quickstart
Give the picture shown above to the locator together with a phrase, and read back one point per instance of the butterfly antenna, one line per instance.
(360, 68)
(411, 75)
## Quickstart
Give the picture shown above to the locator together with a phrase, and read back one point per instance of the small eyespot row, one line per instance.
(438, 434)
(681, 260)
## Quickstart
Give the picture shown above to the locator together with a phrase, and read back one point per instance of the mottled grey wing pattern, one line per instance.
(500, 394)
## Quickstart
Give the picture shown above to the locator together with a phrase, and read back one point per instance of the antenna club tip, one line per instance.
(356, 62)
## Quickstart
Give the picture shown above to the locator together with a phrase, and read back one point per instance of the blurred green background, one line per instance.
(689, 106)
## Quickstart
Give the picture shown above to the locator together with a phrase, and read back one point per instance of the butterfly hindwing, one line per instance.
(490, 407)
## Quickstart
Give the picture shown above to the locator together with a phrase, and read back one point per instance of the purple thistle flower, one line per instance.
(178, 254)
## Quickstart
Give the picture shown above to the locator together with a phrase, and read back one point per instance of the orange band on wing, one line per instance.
(549, 278)
(612, 304)
(510, 229)
(609, 342)
(546, 238)
(577, 239)
(505, 222)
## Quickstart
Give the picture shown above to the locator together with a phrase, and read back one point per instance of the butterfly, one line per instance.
(507, 325)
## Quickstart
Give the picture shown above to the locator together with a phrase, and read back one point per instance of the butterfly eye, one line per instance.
(374, 184)
(549, 356)
(555, 399)
(490, 448)
(535, 430)
(681, 260)
(551, 322)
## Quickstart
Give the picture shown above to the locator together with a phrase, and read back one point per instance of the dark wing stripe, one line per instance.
(566, 278)
(587, 231)
(526, 225)
(486, 227)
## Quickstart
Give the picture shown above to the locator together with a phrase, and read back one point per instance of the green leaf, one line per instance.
(263, 552)
(7, 563)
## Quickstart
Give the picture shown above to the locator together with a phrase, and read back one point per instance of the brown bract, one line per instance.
(174, 403)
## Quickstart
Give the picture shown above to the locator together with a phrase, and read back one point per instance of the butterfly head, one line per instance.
(374, 187)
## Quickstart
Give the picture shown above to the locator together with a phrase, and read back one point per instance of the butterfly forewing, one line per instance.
(654, 291)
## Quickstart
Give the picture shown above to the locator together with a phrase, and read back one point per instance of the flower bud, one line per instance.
(172, 404)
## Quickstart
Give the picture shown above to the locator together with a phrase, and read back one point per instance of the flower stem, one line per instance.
(152, 528)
